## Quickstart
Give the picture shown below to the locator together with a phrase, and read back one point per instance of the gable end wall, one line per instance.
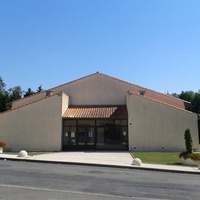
(154, 126)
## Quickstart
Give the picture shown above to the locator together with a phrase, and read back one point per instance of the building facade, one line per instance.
(98, 112)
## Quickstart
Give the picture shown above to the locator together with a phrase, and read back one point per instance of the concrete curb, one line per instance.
(102, 165)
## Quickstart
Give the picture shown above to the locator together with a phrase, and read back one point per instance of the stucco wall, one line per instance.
(153, 125)
(93, 90)
(35, 127)
(96, 90)
(100, 89)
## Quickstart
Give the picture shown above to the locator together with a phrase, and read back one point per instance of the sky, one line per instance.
(151, 43)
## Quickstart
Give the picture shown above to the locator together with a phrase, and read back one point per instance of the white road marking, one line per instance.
(75, 192)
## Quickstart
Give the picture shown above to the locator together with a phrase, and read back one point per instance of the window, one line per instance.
(69, 137)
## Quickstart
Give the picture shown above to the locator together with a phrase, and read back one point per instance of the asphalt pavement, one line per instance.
(100, 158)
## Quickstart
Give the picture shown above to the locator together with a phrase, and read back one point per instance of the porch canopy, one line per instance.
(110, 111)
(95, 127)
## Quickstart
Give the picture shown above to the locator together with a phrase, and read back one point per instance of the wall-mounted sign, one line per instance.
(72, 134)
(90, 134)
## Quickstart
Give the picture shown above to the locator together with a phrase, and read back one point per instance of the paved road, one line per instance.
(24, 180)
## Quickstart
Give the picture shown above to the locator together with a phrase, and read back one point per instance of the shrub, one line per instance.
(188, 141)
(2, 144)
(189, 144)
(193, 156)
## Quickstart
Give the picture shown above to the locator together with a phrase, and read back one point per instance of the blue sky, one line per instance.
(152, 43)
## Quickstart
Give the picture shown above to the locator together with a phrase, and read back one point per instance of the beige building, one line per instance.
(98, 112)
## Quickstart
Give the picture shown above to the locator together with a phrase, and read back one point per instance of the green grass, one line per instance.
(166, 158)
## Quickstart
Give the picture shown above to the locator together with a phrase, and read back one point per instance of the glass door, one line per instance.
(90, 136)
(81, 136)
(85, 138)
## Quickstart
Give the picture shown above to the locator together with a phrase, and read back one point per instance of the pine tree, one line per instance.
(188, 141)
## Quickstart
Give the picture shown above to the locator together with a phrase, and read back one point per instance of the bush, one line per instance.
(189, 144)
(2, 144)
(193, 156)
(188, 141)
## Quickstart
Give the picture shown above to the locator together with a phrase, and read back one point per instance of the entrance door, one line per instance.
(85, 139)
(112, 137)
(92, 134)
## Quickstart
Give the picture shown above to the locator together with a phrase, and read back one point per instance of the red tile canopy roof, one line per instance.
(117, 111)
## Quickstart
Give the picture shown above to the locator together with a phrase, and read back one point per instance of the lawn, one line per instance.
(158, 157)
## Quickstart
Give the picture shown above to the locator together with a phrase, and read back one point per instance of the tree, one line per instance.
(188, 141)
(2, 85)
(189, 151)
(187, 96)
(175, 95)
(193, 97)
(39, 89)
(195, 103)
(3, 101)
(15, 93)
(3, 95)
(29, 92)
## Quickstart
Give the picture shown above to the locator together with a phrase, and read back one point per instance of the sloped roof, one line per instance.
(46, 97)
(118, 111)
(157, 101)
(168, 99)
(165, 98)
